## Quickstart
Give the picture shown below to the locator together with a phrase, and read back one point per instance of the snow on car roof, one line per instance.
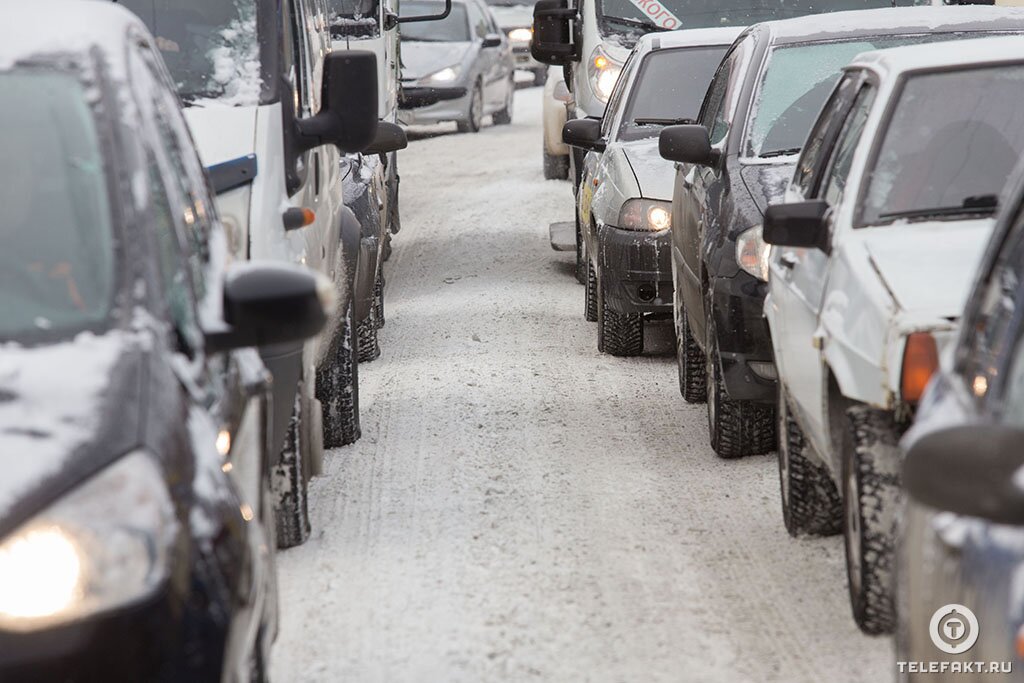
(894, 21)
(694, 37)
(898, 60)
(72, 26)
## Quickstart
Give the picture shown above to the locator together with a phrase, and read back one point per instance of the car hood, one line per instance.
(767, 183)
(929, 267)
(655, 175)
(513, 16)
(421, 58)
(66, 410)
(222, 133)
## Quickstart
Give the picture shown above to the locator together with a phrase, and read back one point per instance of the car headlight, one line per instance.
(645, 214)
(753, 253)
(520, 35)
(103, 546)
(604, 73)
(445, 75)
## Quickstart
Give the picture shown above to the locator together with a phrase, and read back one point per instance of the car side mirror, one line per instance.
(552, 33)
(428, 17)
(585, 134)
(390, 138)
(688, 144)
(268, 304)
(348, 109)
(491, 40)
(800, 224)
(969, 470)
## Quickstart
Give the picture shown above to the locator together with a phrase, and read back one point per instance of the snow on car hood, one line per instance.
(422, 58)
(55, 402)
(929, 267)
(513, 16)
(222, 133)
(655, 175)
(767, 182)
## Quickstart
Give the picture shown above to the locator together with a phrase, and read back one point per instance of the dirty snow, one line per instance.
(521, 507)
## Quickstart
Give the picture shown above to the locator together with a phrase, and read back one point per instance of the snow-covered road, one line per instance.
(523, 508)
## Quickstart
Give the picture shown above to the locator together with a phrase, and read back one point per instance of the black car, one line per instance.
(733, 162)
(134, 430)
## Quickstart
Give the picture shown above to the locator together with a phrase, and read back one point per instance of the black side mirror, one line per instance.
(348, 110)
(687, 144)
(585, 134)
(428, 17)
(801, 224)
(969, 470)
(491, 40)
(268, 304)
(552, 33)
(390, 138)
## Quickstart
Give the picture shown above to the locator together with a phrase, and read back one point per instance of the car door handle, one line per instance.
(788, 260)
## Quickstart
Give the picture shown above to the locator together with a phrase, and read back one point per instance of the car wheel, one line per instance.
(378, 300)
(337, 385)
(738, 428)
(590, 308)
(581, 259)
(540, 77)
(618, 334)
(475, 113)
(871, 484)
(811, 505)
(289, 484)
(690, 362)
(556, 166)
(369, 348)
(504, 117)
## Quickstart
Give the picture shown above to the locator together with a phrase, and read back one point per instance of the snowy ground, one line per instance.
(523, 508)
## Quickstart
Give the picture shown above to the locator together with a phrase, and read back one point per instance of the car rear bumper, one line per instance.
(636, 270)
(744, 342)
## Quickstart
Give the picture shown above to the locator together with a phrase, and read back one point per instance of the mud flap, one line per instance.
(563, 236)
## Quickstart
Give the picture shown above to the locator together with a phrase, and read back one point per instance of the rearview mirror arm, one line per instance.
(429, 17)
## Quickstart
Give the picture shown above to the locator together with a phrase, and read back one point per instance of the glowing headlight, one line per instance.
(752, 253)
(445, 75)
(645, 214)
(520, 35)
(103, 546)
(604, 74)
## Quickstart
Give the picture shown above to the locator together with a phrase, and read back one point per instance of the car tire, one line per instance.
(690, 362)
(475, 112)
(618, 334)
(290, 483)
(581, 257)
(540, 77)
(556, 166)
(871, 494)
(378, 300)
(811, 505)
(737, 428)
(369, 348)
(338, 385)
(504, 117)
(590, 307)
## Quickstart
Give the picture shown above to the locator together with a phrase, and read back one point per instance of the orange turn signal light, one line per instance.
(920, 361)
(295, 218)
(601, 62)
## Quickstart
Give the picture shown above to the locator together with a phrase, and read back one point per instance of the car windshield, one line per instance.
(354, 18)
(452, 29)
(57, 261)
(211, 47)
(669, 89)
(943, 156)
(645, 15)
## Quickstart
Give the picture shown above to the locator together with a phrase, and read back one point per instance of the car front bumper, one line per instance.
(636, 269)
(744, 342)
(423, 105)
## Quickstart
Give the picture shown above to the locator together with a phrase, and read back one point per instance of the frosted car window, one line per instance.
(670, 86)
(452, 29)
(943, 156)
(819, 143)
(57, 259)
(842, 159)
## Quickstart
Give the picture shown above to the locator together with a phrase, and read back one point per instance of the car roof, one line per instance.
(71, 26)
(892, 21)
(694, 37)
(895, 61)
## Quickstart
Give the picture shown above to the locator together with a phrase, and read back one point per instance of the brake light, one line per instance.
(920, 361)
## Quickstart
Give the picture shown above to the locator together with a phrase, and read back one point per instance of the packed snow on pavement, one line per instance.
(523, 507)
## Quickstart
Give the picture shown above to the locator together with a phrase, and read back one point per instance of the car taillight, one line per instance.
(920, 361)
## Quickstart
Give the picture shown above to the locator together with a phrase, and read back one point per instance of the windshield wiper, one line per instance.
(780, 153)
(647, 25)
(662, 122)
(986, 203)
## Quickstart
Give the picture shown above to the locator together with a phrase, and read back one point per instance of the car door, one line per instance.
(803, 274)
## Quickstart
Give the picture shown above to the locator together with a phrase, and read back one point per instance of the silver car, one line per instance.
(458, 69)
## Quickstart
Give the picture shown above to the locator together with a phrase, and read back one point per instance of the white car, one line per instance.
(875, 250)
(624, 200)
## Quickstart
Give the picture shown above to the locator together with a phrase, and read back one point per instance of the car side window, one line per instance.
(819, 143)
(714, 115)
(477, 20)
(834, 181)
(611, 111)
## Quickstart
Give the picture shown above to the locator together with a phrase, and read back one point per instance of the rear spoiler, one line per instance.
(229, 175)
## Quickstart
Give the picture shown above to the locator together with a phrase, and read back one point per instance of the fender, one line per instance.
(350, 232)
